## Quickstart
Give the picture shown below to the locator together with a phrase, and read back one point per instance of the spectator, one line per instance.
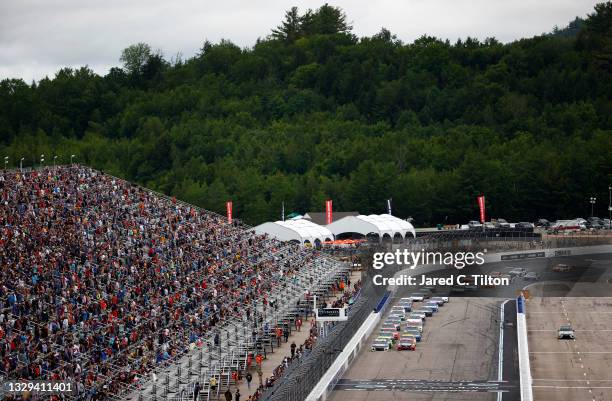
(249, 377)
(196, 391)
(213, 385)
(279, 334)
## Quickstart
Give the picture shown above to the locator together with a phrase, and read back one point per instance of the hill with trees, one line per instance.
(313, 112)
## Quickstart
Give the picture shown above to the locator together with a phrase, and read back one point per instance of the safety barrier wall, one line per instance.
(327, 383)
(547, 253)
(523, 351)
(382, 302)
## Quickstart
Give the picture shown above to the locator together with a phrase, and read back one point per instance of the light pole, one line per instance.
(42, 160)
(592, 200)
(54, 159)
(21, 165)
(5, 161)
(609, 207)
(71, 157)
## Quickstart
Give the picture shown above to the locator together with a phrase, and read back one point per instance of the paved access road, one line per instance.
(457, 359)
(566, 370)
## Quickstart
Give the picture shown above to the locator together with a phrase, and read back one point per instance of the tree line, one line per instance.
(313, 112)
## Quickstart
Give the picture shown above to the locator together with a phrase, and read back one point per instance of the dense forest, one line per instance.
(313, 112)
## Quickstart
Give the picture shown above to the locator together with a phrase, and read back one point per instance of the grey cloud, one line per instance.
(37, 37)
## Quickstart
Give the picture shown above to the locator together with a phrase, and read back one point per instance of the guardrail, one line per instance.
(523, 351)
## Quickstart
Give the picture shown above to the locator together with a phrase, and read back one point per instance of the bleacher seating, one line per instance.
(126, 292)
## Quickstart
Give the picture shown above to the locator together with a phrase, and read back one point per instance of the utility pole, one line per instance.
(610, 207)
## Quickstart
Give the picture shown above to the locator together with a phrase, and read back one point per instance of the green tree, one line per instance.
(134, 57)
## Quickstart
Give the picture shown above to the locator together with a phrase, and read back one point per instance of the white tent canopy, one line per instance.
(381, 225)
(295, 230)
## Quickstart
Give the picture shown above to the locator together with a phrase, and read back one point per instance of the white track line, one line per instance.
(569, 387)
(583, 331)
(572, 380)
(570, 352)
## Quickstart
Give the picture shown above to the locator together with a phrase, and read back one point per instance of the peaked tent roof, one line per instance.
(297, 230)
(379, 224)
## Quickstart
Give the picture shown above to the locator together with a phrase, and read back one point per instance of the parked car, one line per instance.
(406, 342)
(399, 316)
(561, 268)
(384, 331)
(489, 226)
(582, 222)
(380, 344)
(500, 223)
(417, 297)
(523, 224)
(474, 225)
(387, 335)
(595, 223)
(414, 331)
(393, 325)
(427, 312)
(566, 331)
(437, 300)
(417, 315)
(606, 223)
(517, 272)
(393, 319)
(543, 223)
(532, 276)
(431, 304)
(415, 323)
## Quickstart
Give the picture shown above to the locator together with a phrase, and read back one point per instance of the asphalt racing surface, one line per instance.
(570, 370)
(457, 359)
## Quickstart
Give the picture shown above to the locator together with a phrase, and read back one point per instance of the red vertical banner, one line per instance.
(328, 212)
(228, 206)
(481, 204)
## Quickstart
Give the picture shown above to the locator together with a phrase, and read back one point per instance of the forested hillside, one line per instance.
(313, 112)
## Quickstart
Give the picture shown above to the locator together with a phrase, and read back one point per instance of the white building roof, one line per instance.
(380, 224)
(297, 230)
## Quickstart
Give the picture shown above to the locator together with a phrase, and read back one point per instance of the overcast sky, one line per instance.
(37, 37)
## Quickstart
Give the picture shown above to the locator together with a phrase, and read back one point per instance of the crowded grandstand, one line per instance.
(104, 282)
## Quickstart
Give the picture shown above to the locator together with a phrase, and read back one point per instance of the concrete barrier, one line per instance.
(546, 253)
(523, 351)
(327, 383)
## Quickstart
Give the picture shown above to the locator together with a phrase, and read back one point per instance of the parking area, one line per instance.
(456, 359)
(570, 370)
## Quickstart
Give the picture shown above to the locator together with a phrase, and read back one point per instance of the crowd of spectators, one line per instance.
(101, 280)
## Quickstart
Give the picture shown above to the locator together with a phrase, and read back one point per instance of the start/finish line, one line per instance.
(424, 385)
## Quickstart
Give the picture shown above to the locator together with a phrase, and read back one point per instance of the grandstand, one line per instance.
(130, 294)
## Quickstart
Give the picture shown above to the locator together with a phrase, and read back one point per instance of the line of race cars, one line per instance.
(402, 329)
